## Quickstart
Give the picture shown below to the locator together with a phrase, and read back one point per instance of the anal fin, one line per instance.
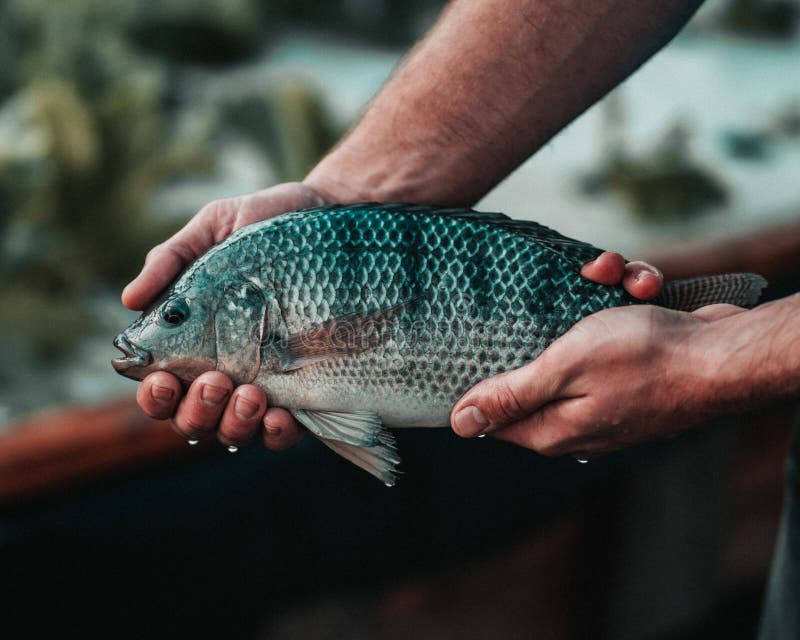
(357, 436)
(380, 461)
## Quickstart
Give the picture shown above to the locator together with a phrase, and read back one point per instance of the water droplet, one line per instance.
(193, 442)
(232, 448)
(582, 460)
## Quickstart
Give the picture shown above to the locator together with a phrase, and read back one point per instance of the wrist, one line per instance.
(707, 392)
(357, 172)
(743, 366)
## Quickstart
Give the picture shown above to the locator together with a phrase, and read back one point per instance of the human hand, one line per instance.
(211, 402)
(641, 280)
(617, 378)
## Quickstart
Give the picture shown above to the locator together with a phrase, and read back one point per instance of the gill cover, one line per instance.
(239, 326)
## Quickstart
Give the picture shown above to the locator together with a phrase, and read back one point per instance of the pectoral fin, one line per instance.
(343, 336)
(358, 437)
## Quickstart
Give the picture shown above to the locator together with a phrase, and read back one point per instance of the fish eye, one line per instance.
(175, 312)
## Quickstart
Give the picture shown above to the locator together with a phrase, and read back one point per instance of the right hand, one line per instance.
(211, 402)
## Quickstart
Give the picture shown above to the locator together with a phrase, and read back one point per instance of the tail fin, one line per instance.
(741, 289)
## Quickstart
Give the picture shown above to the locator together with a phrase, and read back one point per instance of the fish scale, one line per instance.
(453, 270)
(360, 317)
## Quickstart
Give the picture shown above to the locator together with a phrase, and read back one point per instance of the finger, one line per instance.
(508, 397)
(212, 224)
(281, 430)
(158, 394)
(162, 264)
(717, 311)
(274, 201)
(202, 406)
(166, 260)
(642, 280)
(546, 431)
(607, 268)
(242, 416)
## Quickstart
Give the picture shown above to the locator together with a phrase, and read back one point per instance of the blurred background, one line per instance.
(120, 119)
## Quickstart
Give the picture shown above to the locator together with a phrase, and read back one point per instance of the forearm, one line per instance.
(492, 82)
(751, 359)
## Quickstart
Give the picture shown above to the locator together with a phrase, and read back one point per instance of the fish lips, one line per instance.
(133, 363)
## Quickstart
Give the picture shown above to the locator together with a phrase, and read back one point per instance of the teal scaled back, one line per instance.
(336, 261)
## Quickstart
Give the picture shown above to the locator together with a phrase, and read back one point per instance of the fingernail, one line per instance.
(273, 431)
(469, 422)
(161, 394)
(213, 395)
(244, 408)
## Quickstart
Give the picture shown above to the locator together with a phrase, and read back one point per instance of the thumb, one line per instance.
(502, 400)
(717, 311)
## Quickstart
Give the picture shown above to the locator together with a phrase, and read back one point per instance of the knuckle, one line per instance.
(506, 405)
(547, 444)
(177, 250)
(182, 253)
(212, 208)
(237, 431)
(156, 413)
(182, 428)
(153, 253)
(194, 424)
(278, 441)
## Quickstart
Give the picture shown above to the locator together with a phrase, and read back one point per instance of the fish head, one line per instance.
(212, 318)
(174, 335)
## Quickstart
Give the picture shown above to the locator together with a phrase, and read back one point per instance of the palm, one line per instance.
(215, 222)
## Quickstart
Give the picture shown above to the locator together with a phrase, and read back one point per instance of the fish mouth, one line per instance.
(135, 357)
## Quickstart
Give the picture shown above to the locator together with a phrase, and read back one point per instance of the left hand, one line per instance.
(617, 378)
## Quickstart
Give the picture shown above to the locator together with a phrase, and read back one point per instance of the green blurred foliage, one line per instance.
(84, 140)
(762, 18)
(289, 123)
(758, 144)
(92, 124)
(381, 22)
(660, 184)
(210, 32)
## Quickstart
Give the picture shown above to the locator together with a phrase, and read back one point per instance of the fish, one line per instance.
(366, 317)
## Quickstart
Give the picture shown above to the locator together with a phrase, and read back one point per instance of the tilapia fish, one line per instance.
(360, 317)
